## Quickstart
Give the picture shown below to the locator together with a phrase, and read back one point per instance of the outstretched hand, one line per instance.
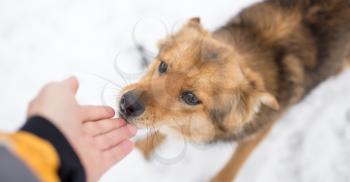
(99, 140)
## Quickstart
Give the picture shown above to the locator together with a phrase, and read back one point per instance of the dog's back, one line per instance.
(293, 45)
(316, 32)
(328, 22)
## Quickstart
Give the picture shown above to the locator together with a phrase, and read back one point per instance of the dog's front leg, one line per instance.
(150, 143)
(240, 155)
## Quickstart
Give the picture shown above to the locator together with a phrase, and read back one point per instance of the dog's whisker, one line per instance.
(107, 80)
(156, 134)
(127, 82)
(119, 72)
(147, 136)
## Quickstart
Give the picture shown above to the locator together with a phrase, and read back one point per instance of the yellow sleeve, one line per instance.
(38, 154)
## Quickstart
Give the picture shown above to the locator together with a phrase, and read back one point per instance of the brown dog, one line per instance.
(234, 83)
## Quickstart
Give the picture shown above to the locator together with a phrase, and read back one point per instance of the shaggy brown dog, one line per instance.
(234, 83)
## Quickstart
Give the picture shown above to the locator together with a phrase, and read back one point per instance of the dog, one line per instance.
(233, 84)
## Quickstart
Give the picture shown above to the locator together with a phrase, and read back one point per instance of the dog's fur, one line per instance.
(246, 74)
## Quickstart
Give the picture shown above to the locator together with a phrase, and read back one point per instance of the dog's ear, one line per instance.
(192, 24)
(257, 93)
(269, 100)
(195, 23)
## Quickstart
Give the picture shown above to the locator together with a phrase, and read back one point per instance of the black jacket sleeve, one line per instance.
(71, 169)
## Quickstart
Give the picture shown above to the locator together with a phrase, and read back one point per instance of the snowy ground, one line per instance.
(44, 40)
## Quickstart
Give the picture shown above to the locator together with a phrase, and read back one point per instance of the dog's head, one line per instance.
(196, 87)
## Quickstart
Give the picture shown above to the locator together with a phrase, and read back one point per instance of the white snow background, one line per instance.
(44, 40)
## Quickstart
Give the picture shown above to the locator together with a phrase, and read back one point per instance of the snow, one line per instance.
(47, 40)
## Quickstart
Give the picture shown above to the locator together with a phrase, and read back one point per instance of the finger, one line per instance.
(113, 138)
(102, 126)
(73, 83)
(118, 152)
(94, 113)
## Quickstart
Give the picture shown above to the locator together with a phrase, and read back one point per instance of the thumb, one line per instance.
(73, 83)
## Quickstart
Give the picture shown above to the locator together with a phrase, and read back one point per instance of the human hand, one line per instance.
(99, 140)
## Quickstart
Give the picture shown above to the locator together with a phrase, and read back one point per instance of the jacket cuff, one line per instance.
(70, 168)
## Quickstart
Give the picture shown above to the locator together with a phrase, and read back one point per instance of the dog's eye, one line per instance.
(189, 98)
(162, 67)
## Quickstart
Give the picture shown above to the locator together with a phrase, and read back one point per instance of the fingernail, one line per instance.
(132, 129)
(110, 110)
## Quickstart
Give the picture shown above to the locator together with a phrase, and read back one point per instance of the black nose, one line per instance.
(130, 105)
